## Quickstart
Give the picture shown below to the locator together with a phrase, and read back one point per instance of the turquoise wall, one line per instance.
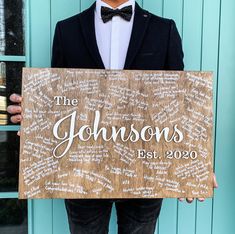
(208, 33)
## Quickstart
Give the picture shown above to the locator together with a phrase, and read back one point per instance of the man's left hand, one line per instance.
(190, 200)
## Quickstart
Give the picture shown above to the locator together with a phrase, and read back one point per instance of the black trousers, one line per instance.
(134, 216)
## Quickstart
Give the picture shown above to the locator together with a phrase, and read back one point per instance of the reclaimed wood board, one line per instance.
(116, 134)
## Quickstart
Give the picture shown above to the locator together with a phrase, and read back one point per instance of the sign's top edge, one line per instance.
(118, 70)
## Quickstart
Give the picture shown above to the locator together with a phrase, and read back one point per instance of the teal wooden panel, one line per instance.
(62, 9)
(113, 222)
(155, 6)
(224, 206)
(42, 217)
(209, 62)
(40, 25)
(192, 44)
(192, 34)
(40, 34)
(60, 219)
(85, 4)
(168, 217)
(173, 9)
(30, 216)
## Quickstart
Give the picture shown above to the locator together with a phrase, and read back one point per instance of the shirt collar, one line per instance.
(100, 3)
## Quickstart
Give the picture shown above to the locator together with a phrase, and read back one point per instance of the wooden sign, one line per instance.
(116, 134)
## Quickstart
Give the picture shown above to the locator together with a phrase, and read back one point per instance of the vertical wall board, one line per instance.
(224, 206)
(186, 218)
(155, 6)
(40, 27)
(85, 4)
(192, 42)
(173, 9)
(62, 9)
(40, 57)
(204, 217)
(209, 62)
(192, 34)
(60, 219)
(30, 216)
(42, 217)
(113, 222)
(168, 216)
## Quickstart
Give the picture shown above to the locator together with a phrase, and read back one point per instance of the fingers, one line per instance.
(13, 109)
(16, 98)
(16, 118)
(215, 184)
(18, 133)
(189, 200)
(201, 199)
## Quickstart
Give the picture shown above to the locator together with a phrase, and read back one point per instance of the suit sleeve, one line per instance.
(57, 59)
(175, 55)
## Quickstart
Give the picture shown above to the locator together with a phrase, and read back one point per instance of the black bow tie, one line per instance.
(108, 13)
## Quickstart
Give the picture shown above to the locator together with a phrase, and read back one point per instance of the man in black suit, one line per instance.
(136, 39)
(154, 44)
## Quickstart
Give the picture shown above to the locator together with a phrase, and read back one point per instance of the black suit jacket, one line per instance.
(155, 43)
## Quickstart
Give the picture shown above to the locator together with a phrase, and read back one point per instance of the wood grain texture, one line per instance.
(99, 168)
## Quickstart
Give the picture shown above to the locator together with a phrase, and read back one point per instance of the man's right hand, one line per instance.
(15, 110)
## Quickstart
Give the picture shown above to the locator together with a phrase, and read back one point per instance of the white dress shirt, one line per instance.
(113, 37)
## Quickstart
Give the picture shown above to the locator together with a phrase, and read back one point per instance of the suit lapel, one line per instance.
(88, 29)
(141, 20)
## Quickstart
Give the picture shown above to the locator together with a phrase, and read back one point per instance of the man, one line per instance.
(125, 38)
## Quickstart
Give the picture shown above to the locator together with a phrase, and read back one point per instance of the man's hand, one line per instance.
(15, 110)
(190, 200)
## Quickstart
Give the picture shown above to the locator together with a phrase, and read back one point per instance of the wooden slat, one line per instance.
(113, 222)
(85, 4)
(192, 39)
(155, 7)
(172, 9)
(42, 217)
(62, 9)
(224, 206)
(40, 26)
(211, 15)
(40, 57)
(60, 220)
(168, 216)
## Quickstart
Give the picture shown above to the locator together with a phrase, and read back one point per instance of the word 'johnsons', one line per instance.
(87, 132)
